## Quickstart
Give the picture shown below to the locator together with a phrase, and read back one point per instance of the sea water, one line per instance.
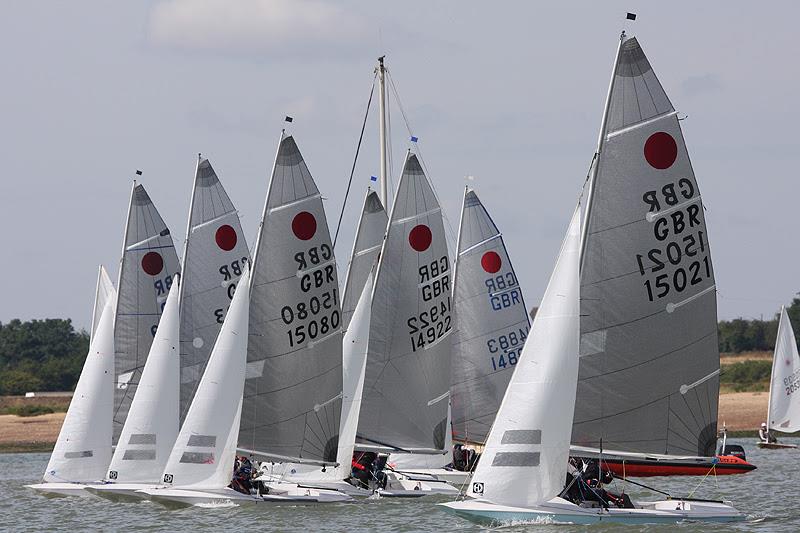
(767, 495)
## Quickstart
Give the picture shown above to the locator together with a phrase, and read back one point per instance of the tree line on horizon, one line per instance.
(48, 355)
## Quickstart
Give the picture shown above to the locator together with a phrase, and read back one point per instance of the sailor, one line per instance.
(765, 435)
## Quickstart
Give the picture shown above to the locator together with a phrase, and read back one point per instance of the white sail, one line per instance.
(407, 381)
(203, 454)
(104, 291)
(525, 459)
(215, 255)
(492, 323)
(354, 363)
(152, 425)
(293, 394)
(83, 449)
(367, 245)
(148, 263)
(784, 391)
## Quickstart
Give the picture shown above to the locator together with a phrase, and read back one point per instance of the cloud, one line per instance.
(253, 25)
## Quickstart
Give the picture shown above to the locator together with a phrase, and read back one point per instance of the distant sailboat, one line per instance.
(783, 411)
(147, 265)
(214, 257)
(83, 449)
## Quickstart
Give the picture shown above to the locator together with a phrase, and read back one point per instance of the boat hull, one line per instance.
(61, 489)
(724, 465)
(558, 511)
(776, 446)
(278, 494)
(121, 492)
(416, 484)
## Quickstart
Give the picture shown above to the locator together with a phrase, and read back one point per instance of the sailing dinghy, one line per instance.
(783, 411)
(83, 449)
(521, 474)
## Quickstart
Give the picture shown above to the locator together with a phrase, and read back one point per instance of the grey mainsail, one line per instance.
(407, 378)
(214, 259)
(293, 391)
(649, 368)
(491, 323)
(369, 237)
(147, 267)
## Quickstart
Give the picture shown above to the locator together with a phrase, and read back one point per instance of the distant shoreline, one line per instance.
(741, 412)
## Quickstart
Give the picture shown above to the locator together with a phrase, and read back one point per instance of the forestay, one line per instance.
(491, 323)
(83, 449)
(204, 451)
(407, 379)
(784, 402)
(369, 237)
(293, 394)
(214, 258)
(152, 425)
(148, 263)
(649, 369)
(524, 462)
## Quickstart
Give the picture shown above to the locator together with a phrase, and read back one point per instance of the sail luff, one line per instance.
(188, 232)
(601, 138)
(772, 370)
(254, 255)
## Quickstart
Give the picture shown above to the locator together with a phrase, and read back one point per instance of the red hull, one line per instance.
(726, 465)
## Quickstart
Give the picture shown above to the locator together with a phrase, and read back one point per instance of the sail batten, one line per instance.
(648, 299)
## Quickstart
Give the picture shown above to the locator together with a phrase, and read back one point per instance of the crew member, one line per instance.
(765, 435)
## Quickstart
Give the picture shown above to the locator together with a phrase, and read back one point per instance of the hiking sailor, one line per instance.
(765, 435)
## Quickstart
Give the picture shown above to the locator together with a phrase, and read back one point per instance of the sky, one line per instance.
(508, 93)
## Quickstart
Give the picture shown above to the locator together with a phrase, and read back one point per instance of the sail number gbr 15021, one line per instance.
(682, 243)
(434, 321)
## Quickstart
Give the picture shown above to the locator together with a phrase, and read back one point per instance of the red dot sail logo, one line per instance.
(152, 263)
(491, 262)
(304, 225)
(420, 238)
(660, 150)
(226, 237)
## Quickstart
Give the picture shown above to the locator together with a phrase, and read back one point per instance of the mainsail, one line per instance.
(525, 459)
(293, 393)
(83, 449)
(784, 402)
(214, 259)
(649, 368)
(369, 236)
(491, 323)
(407, 380)
(147, 265)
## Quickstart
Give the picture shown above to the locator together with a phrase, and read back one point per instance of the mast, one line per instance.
(188, 232)
(384, 190)
(122, 261)
(772, 372)
(601, 140)
(254, 255)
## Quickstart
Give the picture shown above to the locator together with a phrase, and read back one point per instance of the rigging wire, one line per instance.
(448, 225)
(355, 160)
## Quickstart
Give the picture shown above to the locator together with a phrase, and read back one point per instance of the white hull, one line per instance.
(561, 511)
(416, 484)
(121, 491)
(456, 478)
(278, 493)
(61, 489)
